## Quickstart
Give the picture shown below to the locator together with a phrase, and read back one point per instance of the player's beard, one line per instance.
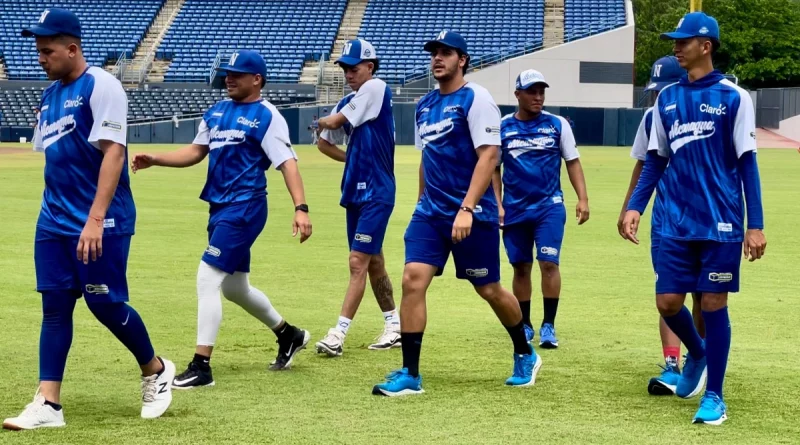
(448, 75)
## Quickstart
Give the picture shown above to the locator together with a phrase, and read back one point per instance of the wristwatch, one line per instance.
(301, 208)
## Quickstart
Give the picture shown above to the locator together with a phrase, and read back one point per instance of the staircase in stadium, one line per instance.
(348, 30)
(553, 23)
(144, 66)
(3, 75)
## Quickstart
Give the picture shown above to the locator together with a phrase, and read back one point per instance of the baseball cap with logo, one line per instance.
(54, 21)
(357, 51)
(450, 39)
(694, 24)
(665, 71)
(529, 78)
(246, 62)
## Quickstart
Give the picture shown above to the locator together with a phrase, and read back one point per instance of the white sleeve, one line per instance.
(37, 137)
(484, 120)
(418, 140)
(366, 104)
(569, 149)
(658, 137)
(639, 149)
(276, 143)
(335, 137)
(203, 136)
(109, 105)
(744, 126)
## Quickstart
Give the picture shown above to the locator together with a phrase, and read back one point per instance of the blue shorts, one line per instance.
(366, 226)
(477, 258)
(544, 228)
(232, 231)
(697, 266)
(58, 268)
(655, 242)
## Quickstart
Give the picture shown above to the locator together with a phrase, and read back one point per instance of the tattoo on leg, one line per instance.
(382, 288)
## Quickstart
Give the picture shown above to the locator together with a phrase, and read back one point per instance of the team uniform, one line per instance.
(450, 127)
(639, 152)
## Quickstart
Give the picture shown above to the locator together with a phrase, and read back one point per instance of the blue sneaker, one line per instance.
(693, 377)
(547, 337)
(529, 333)
(712, 410)
(399, 383)
(666, 383)
(526, 366)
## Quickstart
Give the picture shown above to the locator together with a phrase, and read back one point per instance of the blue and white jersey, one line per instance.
(703, 127)
(244, 140)
(639, 152)
(369, 162)
(531, 157)
(74, 118)
(450, 128)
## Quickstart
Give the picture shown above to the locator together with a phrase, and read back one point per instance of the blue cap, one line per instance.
(54, 21)
(357, 51)
(450, 39)
(529, 78)
(247, 62)
(694, 24)
(665, 71)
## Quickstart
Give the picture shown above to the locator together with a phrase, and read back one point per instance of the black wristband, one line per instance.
(466, 209)
(301, 208)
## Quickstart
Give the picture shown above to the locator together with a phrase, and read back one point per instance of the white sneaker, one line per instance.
(390, 338)
(157, 391)
(36, 415)
(332, 344)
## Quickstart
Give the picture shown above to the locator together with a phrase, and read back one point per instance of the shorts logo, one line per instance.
(97, 289)
(477, 209)
(549, 251)
(109, 223)
(720, 277)
(213, 251)
(557, 200)
(361, 238)
(361, 186)
(724, 227)
(114, 126)
(477, 273)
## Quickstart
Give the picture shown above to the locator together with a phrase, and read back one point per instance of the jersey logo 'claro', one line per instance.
(225, 137)
(698, 130)
(431, 132)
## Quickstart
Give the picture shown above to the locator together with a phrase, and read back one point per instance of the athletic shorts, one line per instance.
(232, 231)
(702, 266)
(366, 226)
(477, 258)
(58, 268)
(655, 242)
(542, 228)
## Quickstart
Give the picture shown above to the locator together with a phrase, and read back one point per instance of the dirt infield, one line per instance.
(10, 150)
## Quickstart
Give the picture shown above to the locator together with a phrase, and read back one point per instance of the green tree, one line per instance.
(760, 38)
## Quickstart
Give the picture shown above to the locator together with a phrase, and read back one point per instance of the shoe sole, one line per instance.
(536, 367)
(712, 422)
(406, 392)
(700, 384)
(11, 427)
(396, 344)
(548, 345)
(186, 388)
(658, 388)
(306, 339)
(322, 348)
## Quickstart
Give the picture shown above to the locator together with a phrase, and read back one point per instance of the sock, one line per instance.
(237, 289)
(412, 345)
(718, 345)
(682, 325)
(126, 324)
(343, 324)
(517, 333)
(285, 333)
(209, 303)
(550, 309)
(55, 406)
(55, 337)
(392, 320)
(672, 355)
(202, 362)
(525, 306)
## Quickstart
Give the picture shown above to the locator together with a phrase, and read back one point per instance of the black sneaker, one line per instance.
(287, 350)
(193, 377)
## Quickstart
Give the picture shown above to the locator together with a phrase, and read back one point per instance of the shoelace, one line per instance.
(666, 369)
(36, 410)
(710, 402)
(394, 375)
(547, 331)
(149, 389)
(519, 367)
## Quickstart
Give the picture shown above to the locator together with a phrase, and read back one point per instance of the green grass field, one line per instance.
(591, 390)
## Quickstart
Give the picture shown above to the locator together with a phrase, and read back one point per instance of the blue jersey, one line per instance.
(531, 157)
(639, 152)
(244, 140)
(450, 128)
(74, 118)
(369, 162)
(703, 127)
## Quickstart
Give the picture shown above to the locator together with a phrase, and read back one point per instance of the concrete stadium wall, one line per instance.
(562, 66)
(790, 128)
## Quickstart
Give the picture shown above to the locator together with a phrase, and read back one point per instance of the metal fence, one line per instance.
(775, 105)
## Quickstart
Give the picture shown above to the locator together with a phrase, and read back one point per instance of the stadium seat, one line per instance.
(586, 17)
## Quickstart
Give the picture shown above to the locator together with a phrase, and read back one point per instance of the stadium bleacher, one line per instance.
(399, 28)
(103, 39)
(583, 16)
(285, 32)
